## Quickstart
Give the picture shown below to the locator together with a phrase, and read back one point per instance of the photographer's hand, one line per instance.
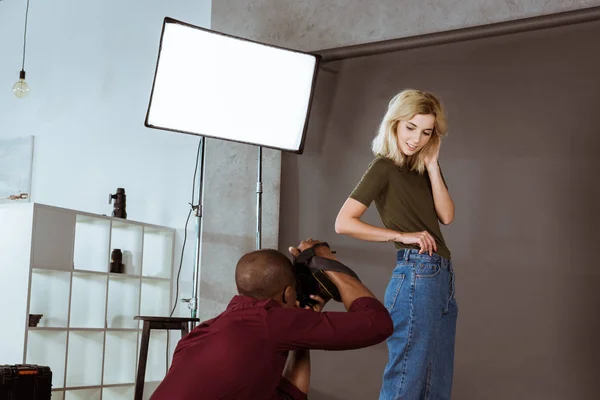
(321, 251)
(317, 307)
(350, 288)
(321, 303)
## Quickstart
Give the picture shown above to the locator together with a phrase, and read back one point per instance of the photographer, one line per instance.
(258, 347)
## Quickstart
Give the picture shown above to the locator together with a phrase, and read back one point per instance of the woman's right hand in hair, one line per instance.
(423, 239)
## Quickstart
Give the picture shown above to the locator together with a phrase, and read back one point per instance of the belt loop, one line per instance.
(406, 254)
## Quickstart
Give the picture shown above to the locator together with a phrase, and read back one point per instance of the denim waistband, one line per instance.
(413, 254)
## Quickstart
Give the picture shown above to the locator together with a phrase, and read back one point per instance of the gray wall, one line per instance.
(230, 216)
(310, 25)
(521, 161)
(314, 25)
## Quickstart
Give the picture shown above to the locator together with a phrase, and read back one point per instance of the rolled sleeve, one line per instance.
(366, 323)
(287, 391)
(373, 181)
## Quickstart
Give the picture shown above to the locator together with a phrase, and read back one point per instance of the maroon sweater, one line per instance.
(241, 353)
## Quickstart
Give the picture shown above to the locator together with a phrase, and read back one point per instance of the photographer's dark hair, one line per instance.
(263, 274)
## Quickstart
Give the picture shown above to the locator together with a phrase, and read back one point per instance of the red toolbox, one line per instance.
(25, 382)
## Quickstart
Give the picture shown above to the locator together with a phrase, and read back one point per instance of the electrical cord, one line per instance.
(181, 262)
(186, 225)
(192, 207)
(25, 36)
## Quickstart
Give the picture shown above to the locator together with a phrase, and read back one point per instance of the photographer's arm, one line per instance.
(350, 288)
(366, 323)
(297, 369)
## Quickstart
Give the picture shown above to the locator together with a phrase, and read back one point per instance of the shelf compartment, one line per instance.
(50, 297)
(88, 300)
(121, 358)
(158, 252)
(84, 362)
(149, 389)
(52, 245)
(123, 301)
(128, 238)
(119, 393)
(156, 296)
(91, 244)
(58, 395)
(83, 394)
(48, 348)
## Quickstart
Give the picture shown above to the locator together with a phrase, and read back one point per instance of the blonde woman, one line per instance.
(406, 183)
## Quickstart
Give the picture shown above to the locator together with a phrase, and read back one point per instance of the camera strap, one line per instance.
(316, 267)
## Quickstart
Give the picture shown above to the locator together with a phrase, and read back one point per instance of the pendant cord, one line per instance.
(25, 36)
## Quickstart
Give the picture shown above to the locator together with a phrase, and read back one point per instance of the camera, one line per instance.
(312, 279)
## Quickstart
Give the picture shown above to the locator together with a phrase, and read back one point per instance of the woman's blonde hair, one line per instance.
(404, 106)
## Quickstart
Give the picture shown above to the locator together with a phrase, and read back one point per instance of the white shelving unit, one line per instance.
(56, 262)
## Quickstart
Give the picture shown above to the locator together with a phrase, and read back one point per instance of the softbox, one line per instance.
(220, 86)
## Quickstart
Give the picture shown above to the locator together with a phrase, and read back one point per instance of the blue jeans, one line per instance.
(420, 299)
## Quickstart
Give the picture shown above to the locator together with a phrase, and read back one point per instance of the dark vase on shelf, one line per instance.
(116, 261)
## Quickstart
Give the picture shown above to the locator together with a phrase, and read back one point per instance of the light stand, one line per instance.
(259, 192)
(193, 301)
(210, 84)
(197, 208)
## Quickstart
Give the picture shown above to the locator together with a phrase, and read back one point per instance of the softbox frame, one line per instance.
(183, 70)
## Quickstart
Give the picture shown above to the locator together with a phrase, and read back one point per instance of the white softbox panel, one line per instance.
(215, 85)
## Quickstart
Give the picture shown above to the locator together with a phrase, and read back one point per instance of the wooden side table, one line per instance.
(150, 323)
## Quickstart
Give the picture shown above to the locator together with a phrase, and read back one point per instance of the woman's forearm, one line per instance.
(358, 229)
(348, 223)
(444, 206)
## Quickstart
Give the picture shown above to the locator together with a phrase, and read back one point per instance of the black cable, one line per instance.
(192, 207)
(25, 36)
(186, 224)
(181, 262)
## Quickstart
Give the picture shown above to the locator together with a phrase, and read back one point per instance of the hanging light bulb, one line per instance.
(21, 88)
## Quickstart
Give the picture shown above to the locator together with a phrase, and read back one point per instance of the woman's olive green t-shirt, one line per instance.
(403, 198)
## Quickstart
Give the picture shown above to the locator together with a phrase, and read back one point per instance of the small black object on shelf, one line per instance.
(34, 320)
(119, 208)
(116, 261)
